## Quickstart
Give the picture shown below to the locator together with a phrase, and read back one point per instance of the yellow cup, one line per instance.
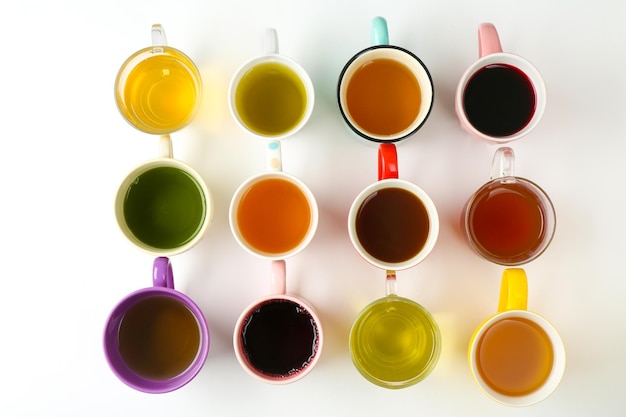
(516, 357)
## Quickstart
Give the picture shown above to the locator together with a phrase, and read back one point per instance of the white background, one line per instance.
(65, 149)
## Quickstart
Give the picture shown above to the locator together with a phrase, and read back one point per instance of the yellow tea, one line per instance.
(383, 97)
(158, 90)
(271, 99)
(274, 216)
(514, 356)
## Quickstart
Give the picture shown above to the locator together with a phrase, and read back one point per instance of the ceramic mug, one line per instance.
(385, 92)
(516, 357)
(164, 206)
(271, 96)
(500, 97)
(156, 339)
(158, 89)
(278, 339)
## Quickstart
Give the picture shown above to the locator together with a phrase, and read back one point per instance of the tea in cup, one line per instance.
(278, 339)
(158, 88)
(385, 92)
(502, 96)
(516, 357)
(156, 339)
(163, 206)
(509, 220)
(271, 96)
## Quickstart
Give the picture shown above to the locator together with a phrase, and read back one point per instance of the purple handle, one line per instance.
(162, 274)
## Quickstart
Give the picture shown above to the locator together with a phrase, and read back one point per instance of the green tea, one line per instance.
(165, 207)
(271, 99)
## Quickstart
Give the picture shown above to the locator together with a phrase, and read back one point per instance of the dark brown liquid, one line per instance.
(158, 338)
(392, 225)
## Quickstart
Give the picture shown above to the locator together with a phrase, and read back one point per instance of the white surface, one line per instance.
(66, 148)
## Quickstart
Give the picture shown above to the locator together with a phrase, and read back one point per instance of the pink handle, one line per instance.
(278, 278)
(387, 161)
(488, 40)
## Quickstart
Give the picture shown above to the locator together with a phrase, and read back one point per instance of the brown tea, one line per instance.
(158, 338)
(383, 97)
(392, 225)
(514, 356)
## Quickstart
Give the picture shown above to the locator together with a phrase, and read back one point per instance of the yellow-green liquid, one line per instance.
(395, 342)
(158, 91)
(271, 99)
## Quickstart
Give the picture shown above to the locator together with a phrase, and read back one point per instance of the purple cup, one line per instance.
(163, 286)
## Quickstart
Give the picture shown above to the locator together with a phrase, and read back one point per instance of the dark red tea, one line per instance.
(499, 100)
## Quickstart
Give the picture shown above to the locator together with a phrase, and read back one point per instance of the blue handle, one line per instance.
(380, 35)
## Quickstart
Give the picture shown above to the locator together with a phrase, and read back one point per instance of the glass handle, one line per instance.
(503, 164)
(158, 35)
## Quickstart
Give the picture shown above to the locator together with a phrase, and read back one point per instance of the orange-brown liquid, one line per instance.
(274, 216)
(515, 357)
(383, 97)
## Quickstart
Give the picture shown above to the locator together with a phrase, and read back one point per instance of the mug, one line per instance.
(271, 96)
(385, 92)
(500, 97)
(393, 224)
(509, 220)
(156, 339)
(273, 215)
(158, 89)
(278, 339)
(163, 206)
(516, 357)
(394, 341)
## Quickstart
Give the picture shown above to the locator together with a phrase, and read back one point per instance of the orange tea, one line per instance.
(274, 215)
(383, 97)
(514, 356)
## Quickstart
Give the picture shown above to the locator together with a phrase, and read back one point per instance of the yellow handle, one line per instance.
(513, 290)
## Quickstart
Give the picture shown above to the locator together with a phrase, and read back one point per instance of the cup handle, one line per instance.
(274, 156)
(162, 274)
(278, 277)
(513, 290)
(158, 38)
(387, 161)
(380, 34)
(488, 40)
(165, 147)
(270, 41)
(503, 164)
(390, 283)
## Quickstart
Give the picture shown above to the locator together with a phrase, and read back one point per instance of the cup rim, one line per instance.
(117, 364)
(287, 379)
(234, 204)
(294, 66)
(428, 203)
(550, 222)
(558, 366)
(145, 167)
(520, 63)
(406, 132)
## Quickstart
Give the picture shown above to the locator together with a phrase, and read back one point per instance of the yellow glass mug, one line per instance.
(517, 357)
(158, 88)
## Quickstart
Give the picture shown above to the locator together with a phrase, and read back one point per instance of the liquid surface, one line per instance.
(165, 207)
(271, 99)
(392, 225)
(274, 216)
(383, 97)
(499, 100)
(279, 338)
(515, 357)
(158, 338)
(394, 341)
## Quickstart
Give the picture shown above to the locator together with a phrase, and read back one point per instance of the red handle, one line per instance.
(387, 161)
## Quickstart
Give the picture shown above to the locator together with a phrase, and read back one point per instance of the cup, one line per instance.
(278, 339)
(516, 357)
(393, 224)
(273, 215)
(509, 220)
(271, 95)
(163, 206)
(385, 92)
(158, 88)
(500, 97)
(394, 341)
(156, 339)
